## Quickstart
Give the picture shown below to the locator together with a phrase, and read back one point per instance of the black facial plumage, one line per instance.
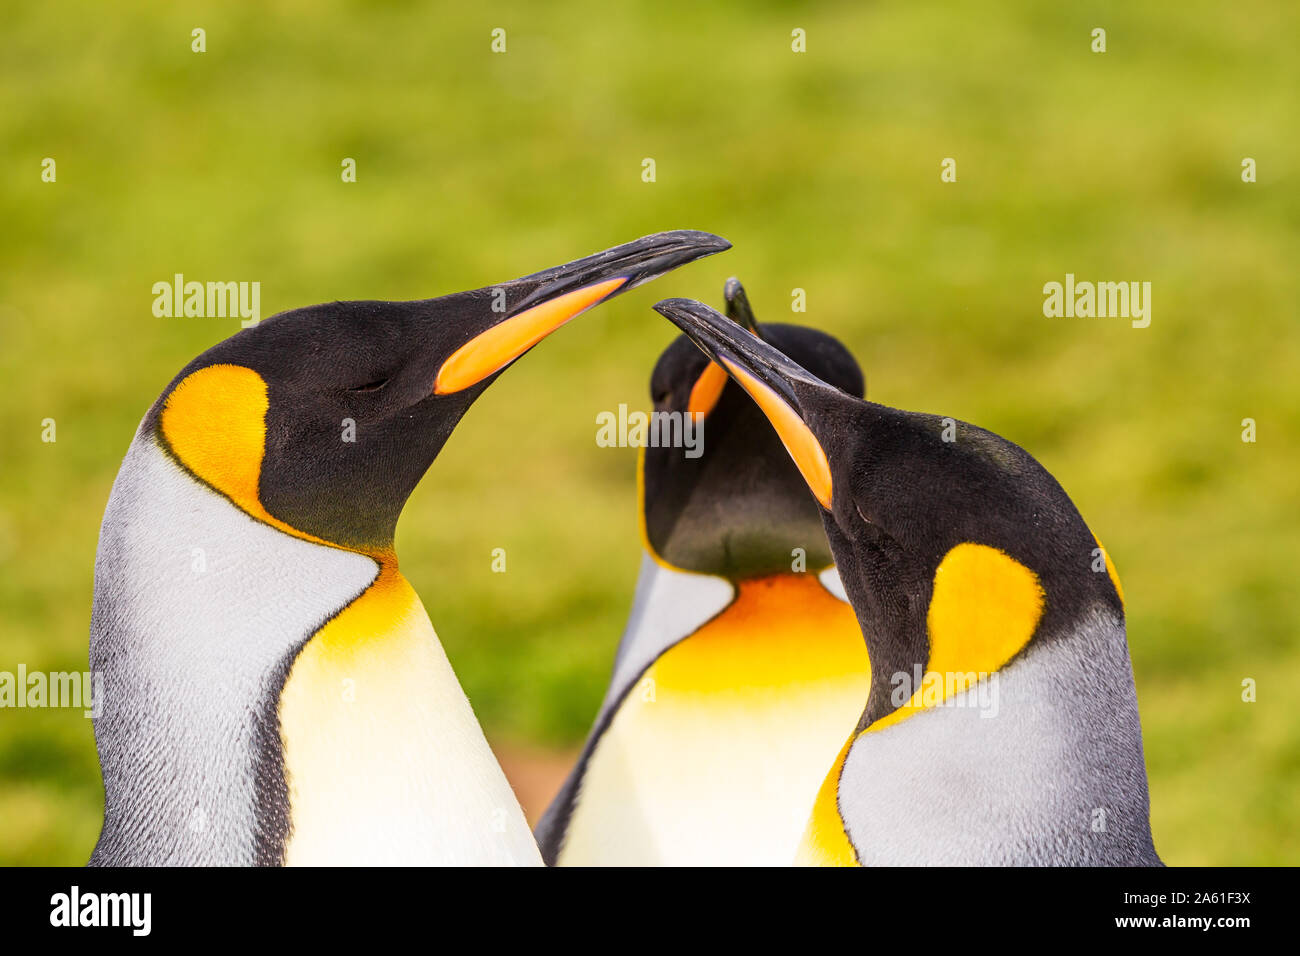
(741, 507)
(356, 412)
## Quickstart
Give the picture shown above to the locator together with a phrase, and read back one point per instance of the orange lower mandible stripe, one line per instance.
(490, 351)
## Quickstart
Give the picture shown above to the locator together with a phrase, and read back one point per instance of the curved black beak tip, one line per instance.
(738, 307)
(726, 342)
(704, 326)
(651, 256)
(687, 314)
(634, 263)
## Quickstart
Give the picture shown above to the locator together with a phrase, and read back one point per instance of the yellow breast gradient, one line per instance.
(716, 754)
(741, 651)
(349, 710)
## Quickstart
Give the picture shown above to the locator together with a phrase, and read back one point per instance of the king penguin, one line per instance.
(741, 669)
(1001, 727)
(274, 692)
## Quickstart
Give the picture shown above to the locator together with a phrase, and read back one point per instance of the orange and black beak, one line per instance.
(520, 313)
(708, 387)
(782, 388)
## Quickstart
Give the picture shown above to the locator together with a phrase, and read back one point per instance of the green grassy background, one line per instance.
(822, 168)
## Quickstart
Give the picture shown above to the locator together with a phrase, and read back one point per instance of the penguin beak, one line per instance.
(738, 307)
(535, 306)
(770, 378)
(708, 387)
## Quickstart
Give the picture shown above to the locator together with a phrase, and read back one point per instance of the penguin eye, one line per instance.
(660, 397)
(370, 386)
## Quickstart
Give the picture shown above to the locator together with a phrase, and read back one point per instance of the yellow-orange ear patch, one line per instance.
(215, 423)
(985, 607)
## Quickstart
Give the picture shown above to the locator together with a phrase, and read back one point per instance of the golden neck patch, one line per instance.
(985, 608)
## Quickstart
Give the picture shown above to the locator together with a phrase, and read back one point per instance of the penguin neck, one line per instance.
(1040, 763)
(198, 611)
(272, 699)
(384, 760)
(740, 511)
(891, 619)
(372, 690)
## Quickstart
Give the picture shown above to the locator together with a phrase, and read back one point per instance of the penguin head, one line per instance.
(739, 506)
(322, 420)
(954, 545)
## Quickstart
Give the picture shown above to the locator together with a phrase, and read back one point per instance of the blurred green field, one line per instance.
(823, 170)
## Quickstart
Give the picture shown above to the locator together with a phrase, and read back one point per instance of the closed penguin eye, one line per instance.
(374, 386)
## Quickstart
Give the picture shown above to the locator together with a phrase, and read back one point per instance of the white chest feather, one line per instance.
(717, 753)
(385, 761)
(200, 611)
